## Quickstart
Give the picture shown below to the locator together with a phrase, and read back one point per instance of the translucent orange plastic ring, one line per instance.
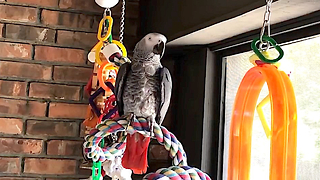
(106, 66)
(283, 140)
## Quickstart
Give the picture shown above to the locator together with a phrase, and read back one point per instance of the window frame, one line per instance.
(287, 32)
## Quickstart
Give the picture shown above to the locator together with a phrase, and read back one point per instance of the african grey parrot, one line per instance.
(143, 87)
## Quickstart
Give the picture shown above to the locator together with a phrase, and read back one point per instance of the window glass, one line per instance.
(302, 61)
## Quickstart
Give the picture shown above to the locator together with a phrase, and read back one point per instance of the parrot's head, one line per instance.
(151, 45)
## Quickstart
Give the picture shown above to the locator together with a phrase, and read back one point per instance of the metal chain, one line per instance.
(266, 23)
(122, 21)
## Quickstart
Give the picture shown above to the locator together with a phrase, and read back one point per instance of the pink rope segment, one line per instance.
(177, 173)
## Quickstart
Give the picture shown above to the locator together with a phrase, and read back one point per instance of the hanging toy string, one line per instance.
(265, 41)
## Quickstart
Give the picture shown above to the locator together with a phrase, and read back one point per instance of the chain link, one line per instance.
(266, 23)
(122, 21)
(107, 12)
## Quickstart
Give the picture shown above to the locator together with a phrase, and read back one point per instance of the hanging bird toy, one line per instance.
(283, 130)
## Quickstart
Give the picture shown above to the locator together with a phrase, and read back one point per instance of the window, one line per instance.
(302, 59)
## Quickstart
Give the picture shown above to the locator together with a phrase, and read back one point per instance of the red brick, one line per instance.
(14, 50)
(79, 39)
(70, 20)
(48, 3)
(60, 54)
(22, 107)
(84, 5)
(86, 172)
(158, 152)
(83, 130)
(71, 74)
(1, 29)
(25, 70)
(20, 146)
(12, 88)
(30, 33)
(96, 21)
(64, 110)
(64, 148)
(11, 126)
(49, 166)
(50, 128)
(18, 13)
(9, 165)
(54, 91)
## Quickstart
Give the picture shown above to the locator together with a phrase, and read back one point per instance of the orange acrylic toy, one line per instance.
(283, 131)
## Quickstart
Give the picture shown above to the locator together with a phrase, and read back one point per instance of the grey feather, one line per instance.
(166, 89)
(120, 84)
(141, 94)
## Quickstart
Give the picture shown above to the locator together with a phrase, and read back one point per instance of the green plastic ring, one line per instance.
(260, 55)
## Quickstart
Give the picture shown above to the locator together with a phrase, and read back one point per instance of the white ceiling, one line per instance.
(281, 10)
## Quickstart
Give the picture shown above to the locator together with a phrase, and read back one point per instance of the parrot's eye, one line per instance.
(149, 38)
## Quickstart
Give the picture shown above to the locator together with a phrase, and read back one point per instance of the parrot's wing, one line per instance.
(120, 84)
(165, 92)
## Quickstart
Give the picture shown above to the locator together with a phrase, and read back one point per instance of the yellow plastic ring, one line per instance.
(101, 27)
(123, 49)
(98, 47)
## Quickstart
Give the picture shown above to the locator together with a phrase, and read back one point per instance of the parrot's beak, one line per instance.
(159, 48)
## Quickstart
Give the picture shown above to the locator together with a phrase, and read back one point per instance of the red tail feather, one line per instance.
(135, 155)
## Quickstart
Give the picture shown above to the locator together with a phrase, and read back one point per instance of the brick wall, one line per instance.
(43, 71)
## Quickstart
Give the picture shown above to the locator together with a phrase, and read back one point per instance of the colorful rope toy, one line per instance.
(180, 169)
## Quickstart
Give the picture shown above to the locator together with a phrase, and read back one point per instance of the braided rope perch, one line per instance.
(177, 173)
(180, 170)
